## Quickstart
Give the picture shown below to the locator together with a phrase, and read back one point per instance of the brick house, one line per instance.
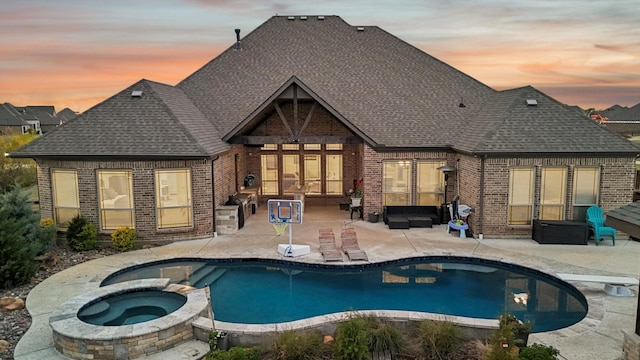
(312, 100)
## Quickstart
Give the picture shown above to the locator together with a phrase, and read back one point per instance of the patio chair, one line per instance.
(350, 245)
(595, 219)
(328, 247)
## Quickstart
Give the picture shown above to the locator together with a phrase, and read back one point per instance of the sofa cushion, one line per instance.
(398, 222)
(420, 221)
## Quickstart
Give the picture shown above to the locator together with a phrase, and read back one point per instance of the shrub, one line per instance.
(351, 340)
(440, 340)
(539, 352)
(383, 339)
(235, 353)
(17, 265)
(81, 234)
(290, 345)
(15, 171)
(48, 232)
(17, 204)
(497, 341)
(124, 238)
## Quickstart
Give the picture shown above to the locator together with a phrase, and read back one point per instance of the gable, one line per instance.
(294, 114)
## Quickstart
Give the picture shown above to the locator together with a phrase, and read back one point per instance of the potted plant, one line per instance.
(357, 193)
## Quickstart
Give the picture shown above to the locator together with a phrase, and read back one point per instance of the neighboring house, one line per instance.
(319, 102)
(621, 119)
(34, 119)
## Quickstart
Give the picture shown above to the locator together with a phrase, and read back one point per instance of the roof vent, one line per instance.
(136, 93)
(291, 17)
(320, 17)
(532, 102)
(303, 18)
(360, 28)
(238, 43)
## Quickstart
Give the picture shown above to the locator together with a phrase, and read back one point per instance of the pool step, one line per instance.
(208, 277)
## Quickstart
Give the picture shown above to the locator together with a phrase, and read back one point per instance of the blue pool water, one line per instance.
(131, 307)
(261, 291)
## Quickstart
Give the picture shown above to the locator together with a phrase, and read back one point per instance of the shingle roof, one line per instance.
(370, 77)
(162, 123)
(9, 116)
(394, 94)
(621, 113)
(508, 125)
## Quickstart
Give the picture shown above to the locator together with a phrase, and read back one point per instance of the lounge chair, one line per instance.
(595, 219)
(328, 247)
(350, 245)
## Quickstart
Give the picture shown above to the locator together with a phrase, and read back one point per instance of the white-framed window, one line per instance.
(66, 201)
(174, 205)
(520, 209)
(396, 186)
(430, 183)
(316, 167)
(334, 174)
(553, 185)
(290, 172)
(586, 190)
(115, 192)
(313, 173)
(269, 169)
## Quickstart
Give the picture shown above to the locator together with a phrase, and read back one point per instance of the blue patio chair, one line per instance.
(595, 219)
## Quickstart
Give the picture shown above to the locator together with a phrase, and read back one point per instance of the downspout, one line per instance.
(481, 200)
(213, 196)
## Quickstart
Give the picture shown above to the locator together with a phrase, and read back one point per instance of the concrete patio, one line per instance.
(599, 336)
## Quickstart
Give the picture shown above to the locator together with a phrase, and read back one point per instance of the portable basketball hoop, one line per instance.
(283, 213)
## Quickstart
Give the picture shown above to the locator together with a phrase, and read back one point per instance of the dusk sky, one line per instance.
(77, 53)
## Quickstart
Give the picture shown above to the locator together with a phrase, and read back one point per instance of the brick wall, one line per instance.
(373, 174)
(616, 188)
(143, 195)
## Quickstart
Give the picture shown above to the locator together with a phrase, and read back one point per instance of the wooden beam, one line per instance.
(284, 119)
(260, 140)
(308, 119)
(295, 110)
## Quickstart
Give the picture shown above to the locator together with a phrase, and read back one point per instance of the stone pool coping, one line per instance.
(78, 339)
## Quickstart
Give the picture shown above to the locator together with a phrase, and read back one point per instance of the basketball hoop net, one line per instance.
(280, 228)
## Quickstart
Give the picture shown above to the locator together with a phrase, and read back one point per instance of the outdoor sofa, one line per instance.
(404, 217)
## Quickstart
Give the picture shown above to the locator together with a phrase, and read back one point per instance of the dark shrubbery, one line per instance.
(81, 234)
(21, 239)
(539, 352)
(235, 353)
(17, 265)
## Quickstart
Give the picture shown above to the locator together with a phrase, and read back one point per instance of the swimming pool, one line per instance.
(261, 291)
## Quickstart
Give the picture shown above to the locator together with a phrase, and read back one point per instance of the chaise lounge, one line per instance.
(328, 247)
(350, 245)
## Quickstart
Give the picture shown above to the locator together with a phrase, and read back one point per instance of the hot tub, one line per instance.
(117, 322)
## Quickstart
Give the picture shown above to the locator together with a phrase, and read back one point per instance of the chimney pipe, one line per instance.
(238, 44)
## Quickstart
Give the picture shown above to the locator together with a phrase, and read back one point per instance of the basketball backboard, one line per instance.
(284, 211)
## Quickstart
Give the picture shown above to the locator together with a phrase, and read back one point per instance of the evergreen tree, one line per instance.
(17, 264)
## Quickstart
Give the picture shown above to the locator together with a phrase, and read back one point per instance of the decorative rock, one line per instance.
(328, 339)
(11, 303)
(4, 345)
